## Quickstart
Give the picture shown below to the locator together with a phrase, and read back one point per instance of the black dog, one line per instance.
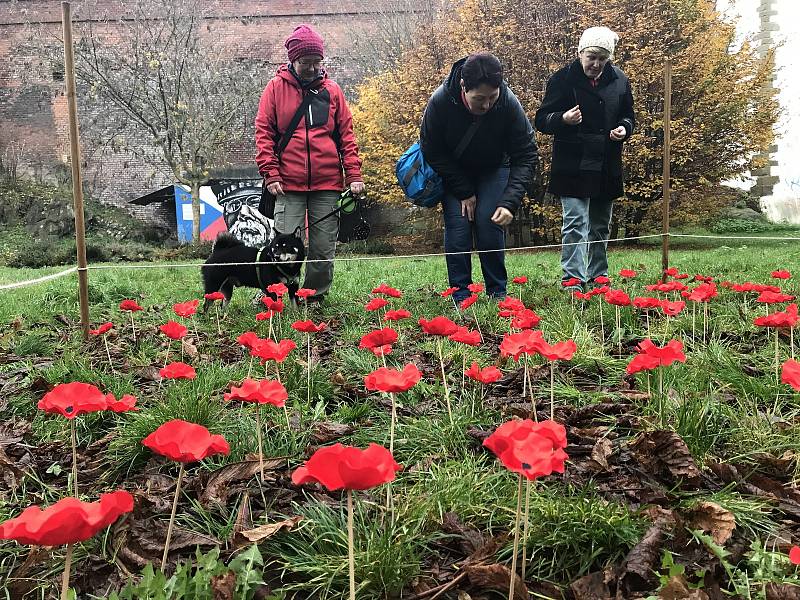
(286, 250)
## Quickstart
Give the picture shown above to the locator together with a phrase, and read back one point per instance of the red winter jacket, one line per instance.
(310, 161)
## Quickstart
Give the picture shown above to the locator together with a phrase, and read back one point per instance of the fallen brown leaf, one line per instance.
(268, 530)
(601, 451)
(665, 453)
(591, 587)
(327, 431)
(224, 585)
(713, 519)
(216, 489)
(677, 588)
(782, 591)
(496, 577)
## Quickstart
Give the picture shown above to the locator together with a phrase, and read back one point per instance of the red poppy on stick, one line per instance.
(185, 442)
(265, 391)
(186, 309)
(769, 297)
(441, 326)
(672, 309)
(642, 302)
(602, 280)
(391, 380)
(177, 370)
(790, 374)
(794, 555)
(465, 336)
(448, 292)
(275, 306)
(214, 296)
(130, 306)
(68, 521)
(279, 289)
(526, 341)
(520, 280)
(387, 291)
(702, 293)
(671, 352)
(124, 404)
(671, 271)
(530, 449)
(248, 339)
(375, 304)
(525, 319)
(173, 330)
(308, 326)
(269, 350)
(468, 301)
(617, 298)
(475, 288)
(377, 338)
(780, 319)
(345, 467)
(73, 399)
(396, 315)
(781, 274)
(102, 329)
(511, 304)
(487, 375)
(264, 316)
(669, 286)
(627, 273)
(572, 281)
(305, 293)
(558, 351)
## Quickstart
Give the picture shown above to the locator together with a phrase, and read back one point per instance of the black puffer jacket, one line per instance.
(504, 138)
(586, 162)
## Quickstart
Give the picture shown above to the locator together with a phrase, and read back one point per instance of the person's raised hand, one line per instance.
(573, 116)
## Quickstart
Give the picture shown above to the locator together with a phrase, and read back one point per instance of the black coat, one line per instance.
(504, 138)
(586, 162)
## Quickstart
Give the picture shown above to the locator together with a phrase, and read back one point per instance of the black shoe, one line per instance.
(312, 301)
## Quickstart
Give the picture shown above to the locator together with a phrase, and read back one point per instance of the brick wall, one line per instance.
(33, 105)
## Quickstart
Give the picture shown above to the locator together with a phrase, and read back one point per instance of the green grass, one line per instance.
(724, 402)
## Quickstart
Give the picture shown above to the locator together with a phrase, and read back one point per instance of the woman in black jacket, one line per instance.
(588, 107)
(477, 137)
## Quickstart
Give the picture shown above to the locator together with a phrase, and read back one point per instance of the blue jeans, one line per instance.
(584, 220)
(459, 232)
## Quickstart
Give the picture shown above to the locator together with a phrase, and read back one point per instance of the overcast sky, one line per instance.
(744, 12)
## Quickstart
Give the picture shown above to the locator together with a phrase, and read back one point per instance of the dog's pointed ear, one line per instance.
(297, 231)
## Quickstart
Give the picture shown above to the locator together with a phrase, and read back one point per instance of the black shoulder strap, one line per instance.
(468, 135)
(301, 110)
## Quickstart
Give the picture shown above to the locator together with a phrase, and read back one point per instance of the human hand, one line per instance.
(502, 216)
(357, 187)
(468, 207)
(618, 134)
(573, 116)
(275, 188)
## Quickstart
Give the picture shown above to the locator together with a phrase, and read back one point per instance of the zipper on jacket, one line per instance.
(308, 146)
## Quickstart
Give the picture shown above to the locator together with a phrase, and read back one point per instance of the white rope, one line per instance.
(11, 286)
(363, 258)
(118, 266)
(727, 237)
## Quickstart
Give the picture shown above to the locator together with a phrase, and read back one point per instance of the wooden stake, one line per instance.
(444, 380)
(666, 183)
(75, 160)
(260, 443)
(516, 541)
(73, 436)
(65, 576)
(172, 517)
(351, 545)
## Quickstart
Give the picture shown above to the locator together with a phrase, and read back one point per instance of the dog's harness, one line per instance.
(279, 267)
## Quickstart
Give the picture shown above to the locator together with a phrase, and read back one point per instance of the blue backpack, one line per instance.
(421, 184)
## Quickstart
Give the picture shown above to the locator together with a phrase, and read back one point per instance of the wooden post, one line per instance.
(75, 159)
(665, 209)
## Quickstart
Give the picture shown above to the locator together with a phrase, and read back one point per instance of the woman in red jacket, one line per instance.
(319, 160)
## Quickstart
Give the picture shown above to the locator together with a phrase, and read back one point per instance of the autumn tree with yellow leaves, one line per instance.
(722, 110)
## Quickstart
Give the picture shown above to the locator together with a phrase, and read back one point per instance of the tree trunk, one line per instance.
(195, 212)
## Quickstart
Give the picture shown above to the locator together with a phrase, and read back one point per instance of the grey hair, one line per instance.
(601, 52)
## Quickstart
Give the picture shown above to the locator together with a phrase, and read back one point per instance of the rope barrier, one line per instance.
(384, 257)
(11, 286)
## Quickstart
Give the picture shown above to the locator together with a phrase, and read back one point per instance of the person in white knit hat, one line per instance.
(588, 108)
